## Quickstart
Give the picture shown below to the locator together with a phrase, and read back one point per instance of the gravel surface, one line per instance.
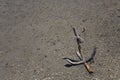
(36, 34)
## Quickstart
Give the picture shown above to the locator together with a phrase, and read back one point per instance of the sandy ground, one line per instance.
(36, 34)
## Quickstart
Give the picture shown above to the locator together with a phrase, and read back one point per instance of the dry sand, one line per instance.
(36, 34)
